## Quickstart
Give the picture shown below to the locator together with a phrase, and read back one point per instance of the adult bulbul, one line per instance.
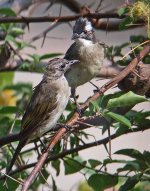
(47, 104)
(87, 50)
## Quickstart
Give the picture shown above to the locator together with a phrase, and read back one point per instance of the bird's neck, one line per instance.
(83, 42)
(86, 42)
(52, 76)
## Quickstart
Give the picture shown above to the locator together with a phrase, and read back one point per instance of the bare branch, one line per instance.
(60, 19)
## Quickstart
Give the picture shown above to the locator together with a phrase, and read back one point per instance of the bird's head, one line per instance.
(58, 66)
(82, 29)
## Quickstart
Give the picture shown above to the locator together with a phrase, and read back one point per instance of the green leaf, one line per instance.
(20, 88)
(146, 155)
(56, 165)
(7, 12)
(125, 23)
(9, 38)
(25, 66)
(131, 153)
(49, 56)
(99, 182)
(116, 51)
(5, 124)
(6, 78)
(54, 187)
(73, 166)
(109, 161)
(130, 166)
(8, 109)
(70, 106)
(93, 163)
(121, 129)
(130, 183)
(118, 118)
(146, 60)
(122, 11)
(35, 57)
(40, 179)
(17, 31)
(137, 39)
(94, 106)
(127, 99)
(122, 62)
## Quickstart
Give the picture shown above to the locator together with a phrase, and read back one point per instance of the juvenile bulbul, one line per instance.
(87, 50)
(47, 104)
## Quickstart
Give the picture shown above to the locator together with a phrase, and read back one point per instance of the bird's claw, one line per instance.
(79, 110)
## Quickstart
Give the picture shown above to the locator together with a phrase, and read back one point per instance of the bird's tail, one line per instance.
(15, 156)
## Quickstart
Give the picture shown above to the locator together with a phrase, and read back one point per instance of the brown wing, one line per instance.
(43, 101)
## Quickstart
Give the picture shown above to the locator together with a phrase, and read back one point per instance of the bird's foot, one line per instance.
(42, 143)
(43, 146)
(67, 127)
(75, 97)
(79, 110)
(97, 88)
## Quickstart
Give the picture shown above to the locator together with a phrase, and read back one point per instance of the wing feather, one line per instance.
(71, 53)
(43, 102)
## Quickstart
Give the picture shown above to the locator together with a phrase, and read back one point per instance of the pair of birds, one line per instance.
(81, 63)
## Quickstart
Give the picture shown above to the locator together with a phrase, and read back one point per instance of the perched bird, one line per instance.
(47, 104)
(87, 50)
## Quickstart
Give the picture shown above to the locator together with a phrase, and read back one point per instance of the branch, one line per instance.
(75, 117)
(77, 149)
(60, 19)
(102, 24)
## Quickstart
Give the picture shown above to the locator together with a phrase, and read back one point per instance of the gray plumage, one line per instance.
(87, 50)
(47, 104)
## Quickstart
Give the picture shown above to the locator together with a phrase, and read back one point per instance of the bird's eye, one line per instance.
(62, 66)
(85, 32)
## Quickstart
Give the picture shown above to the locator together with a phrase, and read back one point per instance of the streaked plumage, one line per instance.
(47, 103)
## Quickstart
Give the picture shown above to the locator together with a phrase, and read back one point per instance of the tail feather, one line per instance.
(15, 156)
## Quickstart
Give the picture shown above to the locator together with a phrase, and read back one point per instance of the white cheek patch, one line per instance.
(88, 26)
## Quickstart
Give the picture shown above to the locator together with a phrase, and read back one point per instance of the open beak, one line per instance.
(75, 36)
(71, 62)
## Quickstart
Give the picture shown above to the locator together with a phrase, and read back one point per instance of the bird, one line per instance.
(46, 105)
(88, 51)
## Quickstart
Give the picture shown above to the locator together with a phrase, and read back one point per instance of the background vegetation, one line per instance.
(112, 115)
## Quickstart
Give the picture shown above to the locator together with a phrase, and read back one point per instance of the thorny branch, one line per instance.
(77, 149)
(59, 18)
(101, 25)
(75, 117)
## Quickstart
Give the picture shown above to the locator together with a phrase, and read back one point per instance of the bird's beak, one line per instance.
(71, 62)
(75, 36)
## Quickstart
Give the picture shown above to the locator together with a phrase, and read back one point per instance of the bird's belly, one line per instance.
(83, 73)
(91, 60)
(54, 116)
(79, 76)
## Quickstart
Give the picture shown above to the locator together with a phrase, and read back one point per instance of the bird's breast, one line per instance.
(91, 58)
(62, 100)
